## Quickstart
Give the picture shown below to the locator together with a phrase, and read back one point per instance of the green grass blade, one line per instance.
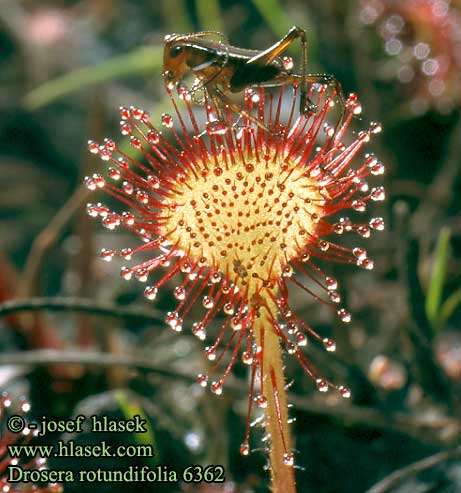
(448, 307)
(176, 19)
(274, 15)
(141, 60)
(437, 278)
(209, 15)
(130, 410)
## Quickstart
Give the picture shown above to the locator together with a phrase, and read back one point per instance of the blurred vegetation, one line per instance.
(65, 68)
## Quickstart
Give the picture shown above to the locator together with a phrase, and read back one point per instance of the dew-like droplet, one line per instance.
(141, 275)
(179, 293)
(136, 113)
(332, 284)
(126, 253)
(328, 130)
(153, 137)
(105, 154)
(322, 385)
(153, 181)
(236, 324)
(216, 388)
(334, 296)
(377, 169)
(377, 223)
(359, 205)
(261, 401)
(150, 292)
(228, 308)
(215, 277)
(244, 449)
(291, 347)
(329, 344)
(315, 217)
(122, 163)
(291, 327)
(125, 128)
(114, 173)
(338, 228)
(90, 183)
(378, 194)
(323, 245)
(375, 128)
(210, 353)
(126, 273)
(107, 254)
(287, 271)
(128, 218)
(135, 142)
(367, 264)
(142, 197)
(208, 302)
(109, 144)
(25, 407)
(247, 358)
(360, 253)
(364, 231)
(305, 257)
(111, 221)
(127, 187)
(370, 159)
(288, 63)
(124, 112)
(183, 92)
(173, 320)
(202, 380)
(301, 339)
(344, 315)
(93, 147)
(288, 459)
(92, 210)
(199, 330)
(346, 223)
(167, 120)
(344, 391)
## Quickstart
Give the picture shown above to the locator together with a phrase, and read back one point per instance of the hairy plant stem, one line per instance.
(276, 412)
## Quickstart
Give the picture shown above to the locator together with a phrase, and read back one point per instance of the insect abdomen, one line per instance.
(247, 75)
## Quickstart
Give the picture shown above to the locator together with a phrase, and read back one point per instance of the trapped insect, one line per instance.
(221, 69)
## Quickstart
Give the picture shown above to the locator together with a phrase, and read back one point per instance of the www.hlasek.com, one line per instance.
(97, 424)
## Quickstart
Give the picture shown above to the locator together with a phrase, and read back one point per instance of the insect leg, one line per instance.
(330, 81)
(235, 108)
(269, 55)
(302, 81)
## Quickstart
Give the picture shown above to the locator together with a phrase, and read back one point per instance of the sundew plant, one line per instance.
(275, 321)
(236, 212)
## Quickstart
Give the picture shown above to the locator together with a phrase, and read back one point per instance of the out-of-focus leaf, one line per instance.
(437, 279)
(130, 410)
(275, 15)
(209, 15)
(448, 307)
(142, 60)
(174, 22)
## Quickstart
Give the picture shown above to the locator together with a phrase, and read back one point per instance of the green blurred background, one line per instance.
(65, 68)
